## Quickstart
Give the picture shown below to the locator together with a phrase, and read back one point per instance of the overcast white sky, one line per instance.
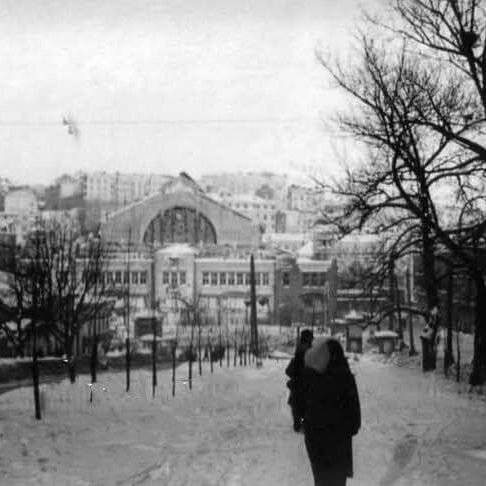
(166, 85)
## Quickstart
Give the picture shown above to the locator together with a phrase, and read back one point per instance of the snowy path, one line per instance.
(234, 428)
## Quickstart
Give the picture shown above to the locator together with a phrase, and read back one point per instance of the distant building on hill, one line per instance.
(188, 247)
(21, 201)
(259, 210)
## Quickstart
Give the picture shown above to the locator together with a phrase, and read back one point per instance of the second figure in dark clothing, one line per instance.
(332, 413)
(294, 372)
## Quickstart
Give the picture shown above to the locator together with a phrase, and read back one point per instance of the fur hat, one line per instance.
(317, 356)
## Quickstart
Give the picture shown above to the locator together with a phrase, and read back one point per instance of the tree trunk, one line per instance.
(127, 362)
(253, 311)
(220, 348)
(412, 351)
(190, 366)
(211, 355)
(391, 272)
(19, 343)
(199, 346)
(35, 373)
(71, 361)
(228, 346)
(478, 374)
(72, 369)
(430, 283)
(448, 356)
(154, 358)
(94, 358)
(458, 354)
(173, 349)
(244, 349)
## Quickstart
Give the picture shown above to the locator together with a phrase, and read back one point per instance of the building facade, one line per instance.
(181, 213)
(196, 257)
(21, 201)
(261, 211)
(120, 188)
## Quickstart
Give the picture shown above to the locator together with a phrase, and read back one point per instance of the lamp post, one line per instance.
(127, 315)
(253, 313)
(154, 323)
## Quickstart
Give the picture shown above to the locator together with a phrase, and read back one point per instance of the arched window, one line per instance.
(180, 225)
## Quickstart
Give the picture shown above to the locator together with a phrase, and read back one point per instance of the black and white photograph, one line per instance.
(243, 243)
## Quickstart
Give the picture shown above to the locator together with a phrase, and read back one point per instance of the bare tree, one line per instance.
(15, 304)
(192, 311)
(393, 192)
(449, 38)
(74, 287)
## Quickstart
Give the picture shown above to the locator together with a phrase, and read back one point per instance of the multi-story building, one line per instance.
(294, 221)
(99, 186)
(288, 242)
(259, 210)
(8, 223)
(70, 185)
(301, 198)
(21, 201)
(21, 213)
(264, 184)
(179, 251)
(197, 254)
(179, 278)
(120, 188)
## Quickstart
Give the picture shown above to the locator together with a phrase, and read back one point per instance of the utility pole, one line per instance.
(253, 313)
(127, 316)
(220, 332)
(154, 323)
(94, 344)
(35, 303)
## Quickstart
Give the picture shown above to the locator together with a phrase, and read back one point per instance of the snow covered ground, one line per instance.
(234, 428)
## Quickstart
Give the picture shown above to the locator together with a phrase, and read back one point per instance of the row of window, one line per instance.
(235, 278)
(309, 279)
(119, 277)
(238, 205)
(174, 279)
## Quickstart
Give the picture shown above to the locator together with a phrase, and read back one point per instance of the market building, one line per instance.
(189, 251)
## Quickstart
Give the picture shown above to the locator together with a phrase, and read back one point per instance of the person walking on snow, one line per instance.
(332, 412)
(294, 372)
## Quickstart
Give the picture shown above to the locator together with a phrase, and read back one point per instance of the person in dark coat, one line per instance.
(294, 372)
(332, 412)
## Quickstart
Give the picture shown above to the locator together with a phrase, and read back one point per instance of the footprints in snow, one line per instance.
(403, 453)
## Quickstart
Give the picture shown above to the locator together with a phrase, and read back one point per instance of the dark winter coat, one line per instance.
(332, 415)
(294, 372)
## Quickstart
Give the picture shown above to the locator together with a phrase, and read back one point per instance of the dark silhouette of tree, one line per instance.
(75, 290)
(420, 109)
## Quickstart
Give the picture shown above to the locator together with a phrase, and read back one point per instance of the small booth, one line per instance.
(338, 329)
(354, 332)
(147, 341)
(386, 340)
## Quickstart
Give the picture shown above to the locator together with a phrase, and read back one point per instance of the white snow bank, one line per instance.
(234, 428)
(279, 355)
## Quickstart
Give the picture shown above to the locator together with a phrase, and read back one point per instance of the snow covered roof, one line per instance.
(149, 338)
(306, 251)
(178, 249)
(354, 316)
(310, 265)
(284, 237)
(385, 334)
